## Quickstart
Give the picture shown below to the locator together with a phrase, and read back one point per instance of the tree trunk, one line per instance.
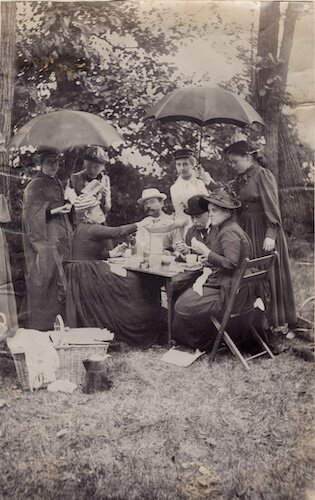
(291, 16)
(7, 73)
(271, 78)
(266, 95)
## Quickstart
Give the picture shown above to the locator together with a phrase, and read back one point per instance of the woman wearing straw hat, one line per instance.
(97, 297)
(192, 326)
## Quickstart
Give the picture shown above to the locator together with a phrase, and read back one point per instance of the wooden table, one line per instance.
(166, 276)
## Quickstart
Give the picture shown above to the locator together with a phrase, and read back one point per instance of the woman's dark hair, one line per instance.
(244, 148)
(260, 158)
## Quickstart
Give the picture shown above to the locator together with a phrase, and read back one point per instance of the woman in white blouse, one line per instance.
(189, 183)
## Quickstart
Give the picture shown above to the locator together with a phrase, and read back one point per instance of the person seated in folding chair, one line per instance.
(208, 296)
(96, 296)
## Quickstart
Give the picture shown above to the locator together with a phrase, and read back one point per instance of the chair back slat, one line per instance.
(256, 276)
(240, 277)
(266, 259)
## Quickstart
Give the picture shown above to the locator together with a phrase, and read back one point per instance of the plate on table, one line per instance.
(195, 267)
(116, 260)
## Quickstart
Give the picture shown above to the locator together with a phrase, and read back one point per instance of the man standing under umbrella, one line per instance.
(92, 179)
(45, 223)
(189, 182)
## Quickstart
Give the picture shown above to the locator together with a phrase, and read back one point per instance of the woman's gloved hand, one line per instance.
(118, 251)
(269, 244)
(203, 175)
(65, 209)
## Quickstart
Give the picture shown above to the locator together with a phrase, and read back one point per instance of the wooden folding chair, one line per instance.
(263, 266)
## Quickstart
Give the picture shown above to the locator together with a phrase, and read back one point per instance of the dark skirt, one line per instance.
(282, 308)
(127, 306)
(192, 325)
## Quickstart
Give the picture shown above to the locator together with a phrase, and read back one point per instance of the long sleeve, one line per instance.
(269, 198)
(99, 232)
(177, 200)
(231, 249)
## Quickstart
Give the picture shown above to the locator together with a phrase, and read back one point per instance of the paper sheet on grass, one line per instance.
(181, 358)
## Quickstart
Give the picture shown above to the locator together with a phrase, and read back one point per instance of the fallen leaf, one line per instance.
(203, 470)
(62, 433)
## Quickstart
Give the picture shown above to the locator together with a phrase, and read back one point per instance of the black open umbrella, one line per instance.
(204, 106)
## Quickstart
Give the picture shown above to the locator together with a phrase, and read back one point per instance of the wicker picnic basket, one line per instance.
(70, 359)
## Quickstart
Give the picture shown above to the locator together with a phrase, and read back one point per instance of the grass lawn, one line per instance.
(162, 432)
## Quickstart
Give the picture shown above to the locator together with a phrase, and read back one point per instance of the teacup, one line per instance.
(191, 259)
(166, 260)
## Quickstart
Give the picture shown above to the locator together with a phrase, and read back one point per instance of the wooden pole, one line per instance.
(7, 75)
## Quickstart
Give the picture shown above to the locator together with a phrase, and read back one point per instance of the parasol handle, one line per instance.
(200, 142)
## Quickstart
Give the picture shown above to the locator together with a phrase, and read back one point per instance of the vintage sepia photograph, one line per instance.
(157, 250)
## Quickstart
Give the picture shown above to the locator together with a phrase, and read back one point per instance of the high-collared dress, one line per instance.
(260, 217)
(192, 325)
(41, 230)
(96, 297)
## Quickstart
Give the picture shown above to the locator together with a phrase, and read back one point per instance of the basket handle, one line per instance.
(60, 326)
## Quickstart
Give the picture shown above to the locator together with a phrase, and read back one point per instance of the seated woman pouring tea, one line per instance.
(208, 296)
(97, 297)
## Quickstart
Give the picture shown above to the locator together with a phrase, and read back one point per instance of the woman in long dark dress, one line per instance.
(192, 325)
(260, 218)
(45, 223)
(97, 297)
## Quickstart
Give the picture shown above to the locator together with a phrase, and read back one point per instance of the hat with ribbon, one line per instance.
(151, 193)
(85, 201)
(96, 154)
(222, 198)
(182, 153)
(197, 205)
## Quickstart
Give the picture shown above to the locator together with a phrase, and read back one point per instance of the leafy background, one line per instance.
(116, 59)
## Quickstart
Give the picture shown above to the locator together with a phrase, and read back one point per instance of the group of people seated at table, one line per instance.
(211, 220)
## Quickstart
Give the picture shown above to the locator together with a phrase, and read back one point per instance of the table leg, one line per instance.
(170, 307)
